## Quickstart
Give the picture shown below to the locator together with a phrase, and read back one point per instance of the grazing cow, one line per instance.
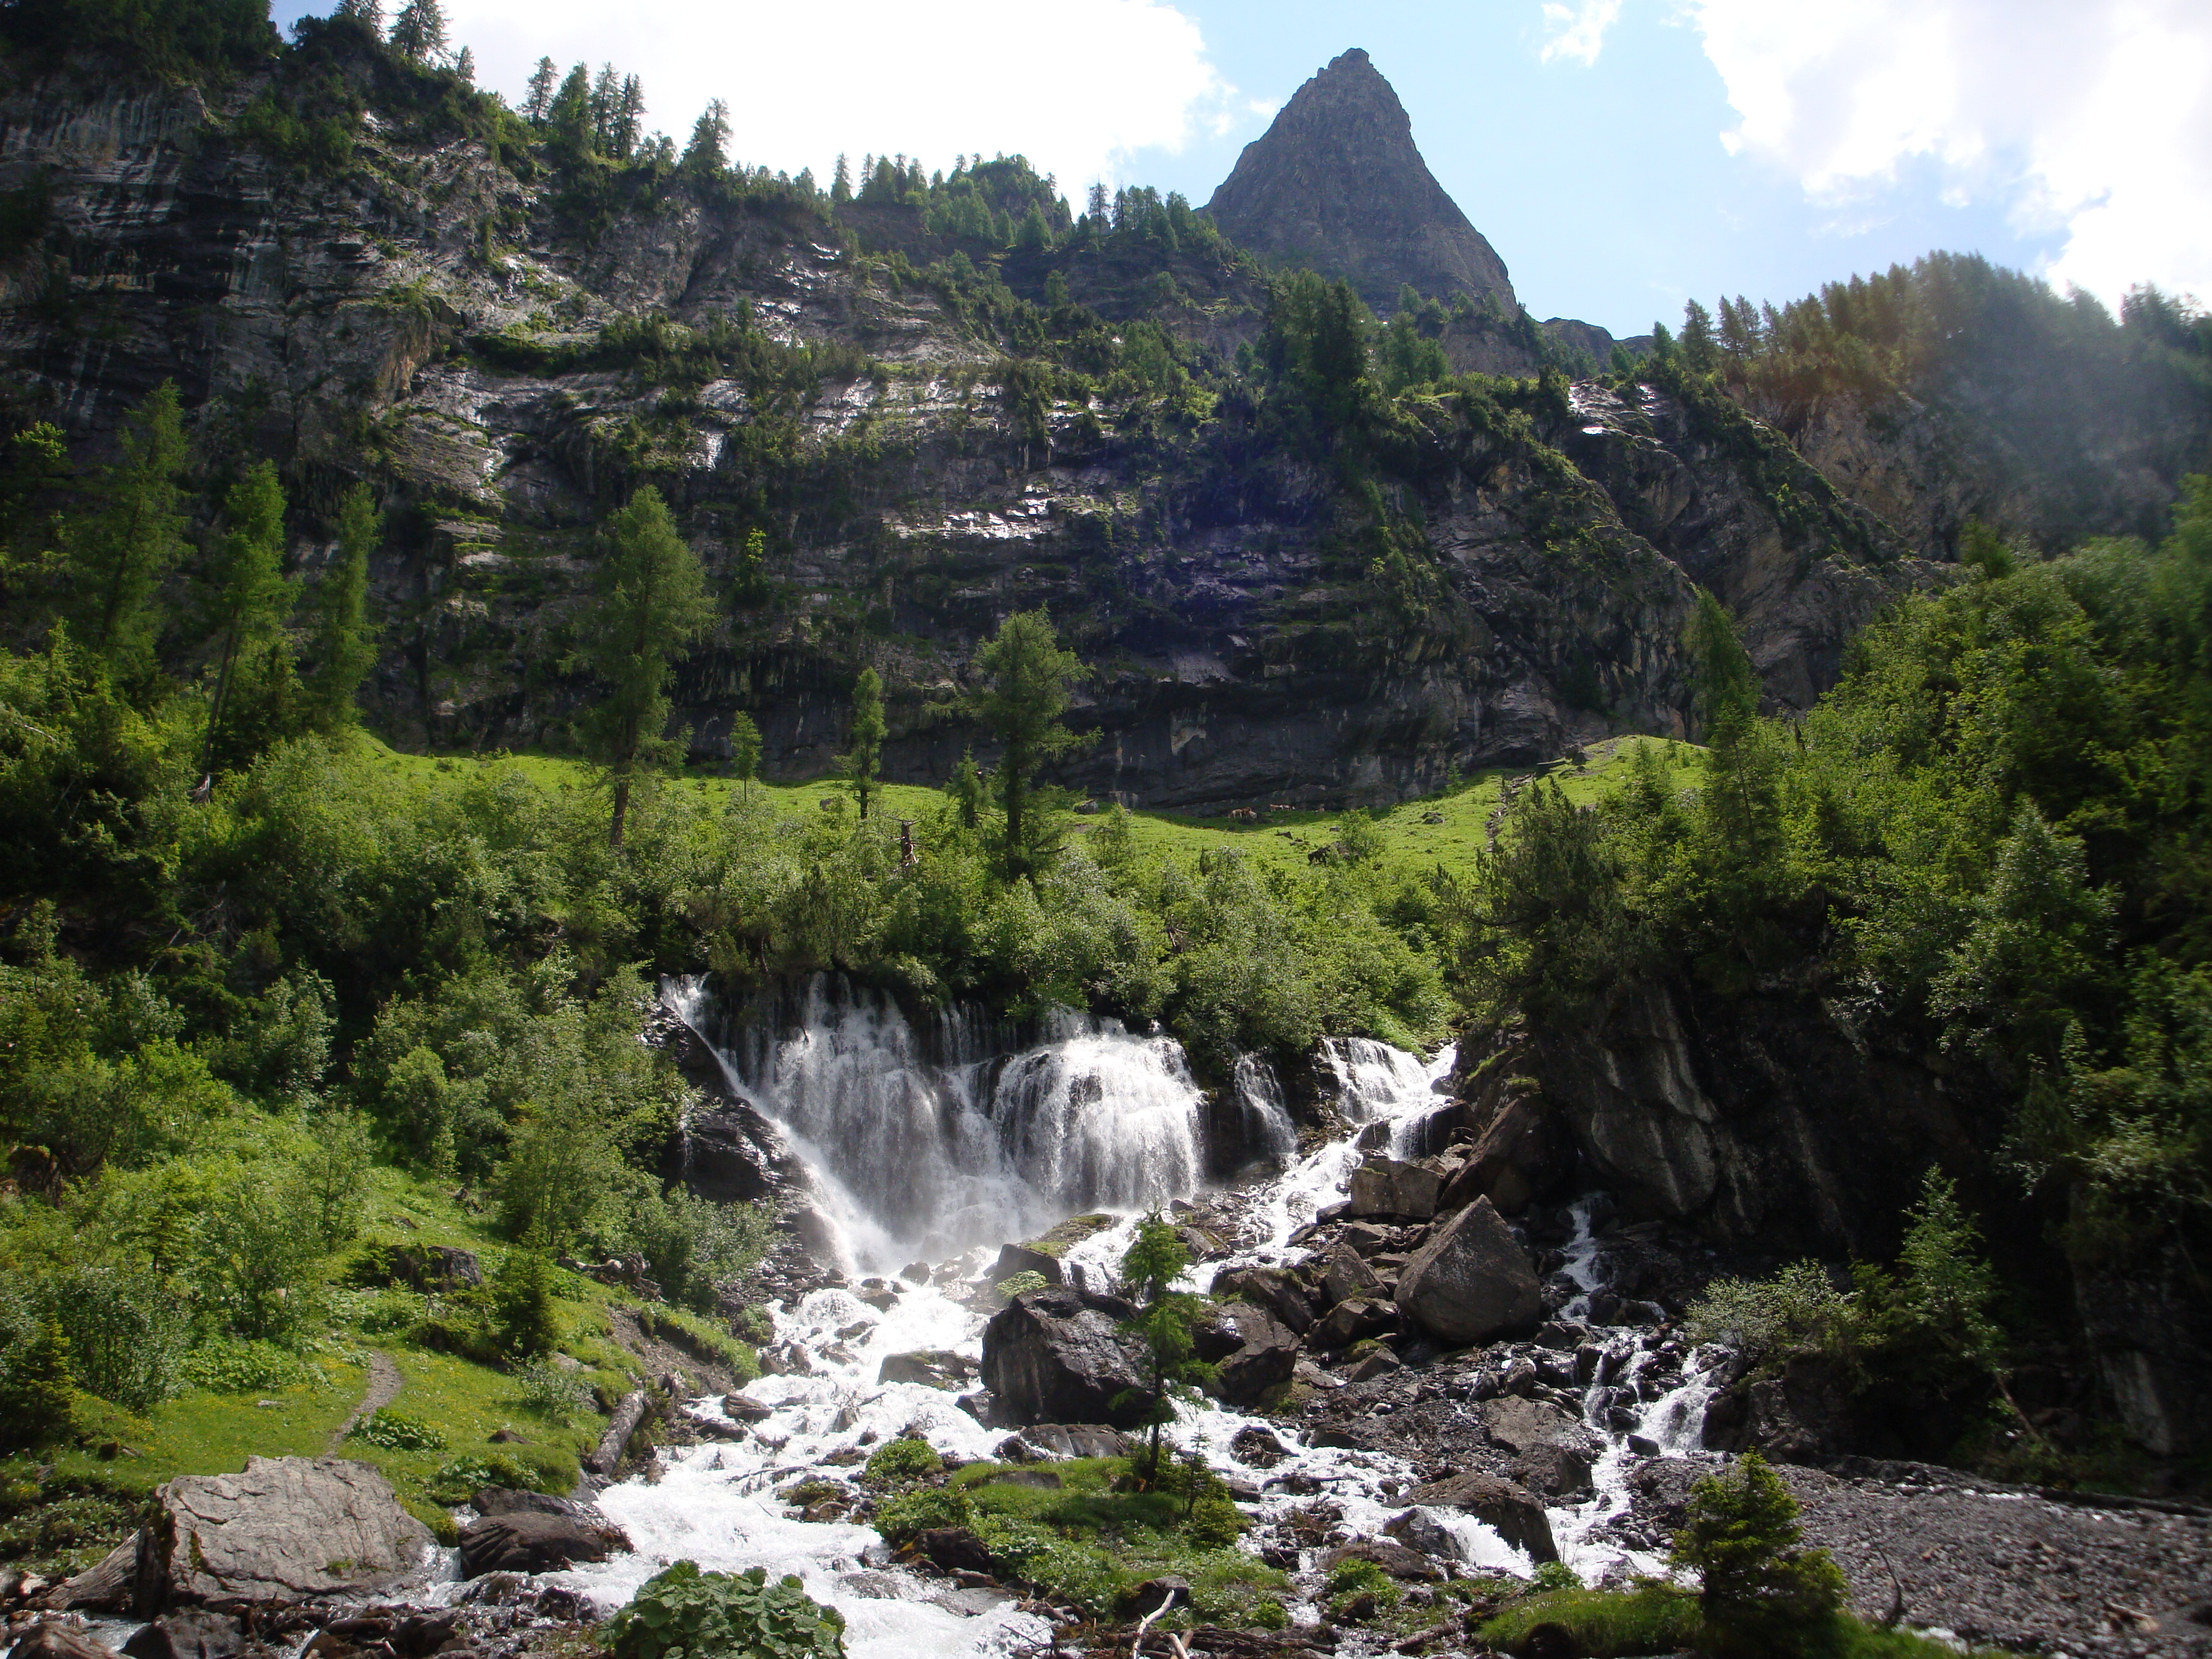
(1282, 806)
(1242, 813)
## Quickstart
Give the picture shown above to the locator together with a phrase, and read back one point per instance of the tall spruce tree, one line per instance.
(542, 79)
(654, 604)
(345, 648)
(136, 537)
(1027, 676)
(707, 153)
(744, 751)
(860, 762)
(251, 595)
(419, 33)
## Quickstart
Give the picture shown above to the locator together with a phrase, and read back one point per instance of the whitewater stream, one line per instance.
(937, 1147)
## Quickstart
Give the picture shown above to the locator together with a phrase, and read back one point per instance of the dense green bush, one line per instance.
(397, 1432)
(1760, 1591)
(685, 1613)
(901, 1462)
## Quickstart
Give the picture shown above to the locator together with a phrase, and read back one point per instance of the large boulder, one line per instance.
(109, 1585)
(1513, 1512)
(933, 1368)
(1345, 1276)
(1276, 1288)
(187, 1633)
(1385, 1186)
(1471, 1280)
(1058, 1443)
(1061, 1356)
(531, 1541)
(1524, 1154)
(51, 1639)
(1022, 1259)
(1354, 1321)
(1264, 1358)
(286, 1529)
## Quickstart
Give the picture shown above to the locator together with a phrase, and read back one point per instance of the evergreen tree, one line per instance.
(370, 12)
(1700, 348)
(707, 153)
(344, 646)
(1155, 1259)
(539, 104)
(570, 117)
(841, 183)
(465, 65)
(968, 790)
(136, 537)
(654, 605)
(418, 33)
(1027, 677)
(1726, 684)
(605, 103)
(629, 117)
(1097, 204)
(860, 762)
(250, 596)
(1055, 291)
(1761, 1592)
(745, 750)
(38, 1394)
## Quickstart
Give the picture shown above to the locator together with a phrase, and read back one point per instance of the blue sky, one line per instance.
(1621, 154)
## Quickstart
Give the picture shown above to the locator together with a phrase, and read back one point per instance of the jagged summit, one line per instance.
(1336, 183)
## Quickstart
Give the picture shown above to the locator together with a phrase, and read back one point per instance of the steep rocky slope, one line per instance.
(486, 335)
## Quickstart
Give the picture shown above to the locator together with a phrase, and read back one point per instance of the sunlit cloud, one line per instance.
(1078, 86)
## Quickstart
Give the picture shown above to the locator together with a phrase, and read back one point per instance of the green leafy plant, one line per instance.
(903, 1461)
(460, 1479)
(397, 1432)
(1021, 1284)
(685, 1613)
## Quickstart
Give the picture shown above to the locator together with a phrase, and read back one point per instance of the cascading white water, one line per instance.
(916, 1157)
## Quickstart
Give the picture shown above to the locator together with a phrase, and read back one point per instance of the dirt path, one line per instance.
(384, 1383)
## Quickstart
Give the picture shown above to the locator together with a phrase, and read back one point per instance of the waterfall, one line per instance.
(923, 1147)
(1264, 1120)
(1379, 1084)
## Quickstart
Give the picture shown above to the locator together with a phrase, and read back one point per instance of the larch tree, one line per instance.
(251, 595)
(1027, 675)
(744, 751)
(653, 606)
(137, 535)
(707, 153)
(419, 33)
(542, 79)
(860, 762)
(345, 645)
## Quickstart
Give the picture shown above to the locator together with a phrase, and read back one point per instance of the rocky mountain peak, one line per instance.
(1337, 184)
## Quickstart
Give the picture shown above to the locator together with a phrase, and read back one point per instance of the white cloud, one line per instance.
(1075, 85)
(1576, 32)
(2092, 117)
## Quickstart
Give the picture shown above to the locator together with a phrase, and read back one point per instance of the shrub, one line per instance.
(1798, 1308)
(685, 1613)
(1358, 1580)
(1021, 1284)
(1215, 1521)
(912, 1513)
(1761, 1592)
(224, 1365)
(550, 1394)
(397, 1432)
(1651, 1619)
(903, 1461)
(460, 1479)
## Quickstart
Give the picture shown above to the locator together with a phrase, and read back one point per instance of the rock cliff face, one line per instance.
(437, 320)
(1336, 184)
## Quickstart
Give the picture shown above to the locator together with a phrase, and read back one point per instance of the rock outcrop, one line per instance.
(1061, 1355)
(1336, 184)
(285, 1528)
(1514, 1512)
(1471, 1280)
